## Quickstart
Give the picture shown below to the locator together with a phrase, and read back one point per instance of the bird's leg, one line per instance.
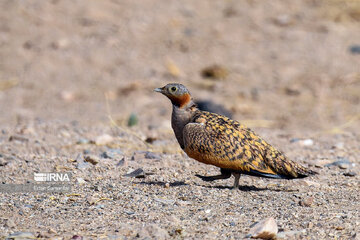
(224, 175)
(236, 182)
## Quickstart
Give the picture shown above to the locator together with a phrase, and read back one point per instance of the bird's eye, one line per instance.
(173, 89)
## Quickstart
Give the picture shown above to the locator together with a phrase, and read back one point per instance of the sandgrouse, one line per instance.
(214, 139)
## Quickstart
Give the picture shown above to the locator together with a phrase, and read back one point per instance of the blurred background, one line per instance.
(292, 65)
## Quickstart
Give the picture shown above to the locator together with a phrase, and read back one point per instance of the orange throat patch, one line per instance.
(181, 101)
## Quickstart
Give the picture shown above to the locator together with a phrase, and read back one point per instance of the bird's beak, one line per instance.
(160, 90)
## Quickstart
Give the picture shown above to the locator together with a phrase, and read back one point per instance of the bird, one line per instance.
(217, 140)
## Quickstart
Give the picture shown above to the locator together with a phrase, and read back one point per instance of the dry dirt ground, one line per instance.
(74, 74)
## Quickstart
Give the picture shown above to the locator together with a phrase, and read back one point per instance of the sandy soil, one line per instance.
(72, 74)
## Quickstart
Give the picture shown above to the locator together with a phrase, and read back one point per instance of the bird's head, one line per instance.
(177, 93)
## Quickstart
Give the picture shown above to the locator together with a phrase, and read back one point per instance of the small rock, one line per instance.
(138, 173)
(82, 165)
(121, 162)
(306, 142)
(293, 140)
(104, 139)
(111, 153)
(342, 163)
(77, 237)
(100, 206)
(83, 141)
(21, 235)
(350, 174)
(80, 180)
(92, 159)
(133, 120)
(164, 201)
(265, 229)
(215, 72)
(151, 155)
(354, 49)
(343, 166)
(306, 202)
(18, 138)
(106, 155)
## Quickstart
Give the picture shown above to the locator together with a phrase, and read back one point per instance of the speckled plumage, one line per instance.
(214, 139)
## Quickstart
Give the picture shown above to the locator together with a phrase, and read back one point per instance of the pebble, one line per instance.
(121, 162)
(350, 174)
(91, 159)
(80, 180)
(77, 237)
(164, 201)
(133, 120)
(18, 138)
(111, 153)
(138, 173)
(83, 141)
(103, 139)
(306, 202)
(21, 235)
(82, 165)
(354, 49)
(100, 206)
(306, 142)
(265, 229)
(342, 163)
(151, 155)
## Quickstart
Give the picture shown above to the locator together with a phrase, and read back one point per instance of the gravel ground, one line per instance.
(76, 80)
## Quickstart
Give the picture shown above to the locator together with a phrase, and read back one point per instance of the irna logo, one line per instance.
(52, 177)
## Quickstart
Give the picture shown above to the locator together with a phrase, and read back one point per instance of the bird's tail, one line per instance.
(286, 168)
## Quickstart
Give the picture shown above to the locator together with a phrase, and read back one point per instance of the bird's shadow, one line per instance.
(244, 188)
(160, 183)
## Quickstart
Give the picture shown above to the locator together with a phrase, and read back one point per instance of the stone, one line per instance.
(103, 139)
(265, 229)
(306, 202)
(138, 173)
(306, 142)
(91, 159)
(350, 174)
(21, 235)
(151, 155)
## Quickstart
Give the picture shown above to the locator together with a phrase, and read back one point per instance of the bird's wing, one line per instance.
(217, 140)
